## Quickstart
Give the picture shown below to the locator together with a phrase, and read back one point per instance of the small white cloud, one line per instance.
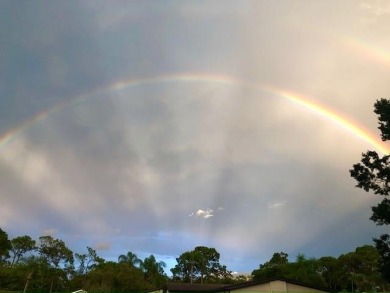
(275, 205)
(221, 208)
(200, 213)
(203, 213)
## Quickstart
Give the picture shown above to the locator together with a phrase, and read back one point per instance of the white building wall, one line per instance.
(277, 286)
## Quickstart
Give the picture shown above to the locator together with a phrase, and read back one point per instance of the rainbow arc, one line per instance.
(338, 119)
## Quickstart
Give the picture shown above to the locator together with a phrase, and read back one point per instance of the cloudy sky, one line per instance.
(158, 126)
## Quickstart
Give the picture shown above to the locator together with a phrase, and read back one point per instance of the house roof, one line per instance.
(254, 283)
(187, 287)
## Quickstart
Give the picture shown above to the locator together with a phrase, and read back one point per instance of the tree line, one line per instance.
(356, 271)
(48, 265)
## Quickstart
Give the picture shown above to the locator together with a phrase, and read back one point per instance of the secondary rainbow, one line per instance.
(299, 99)
(379, 54)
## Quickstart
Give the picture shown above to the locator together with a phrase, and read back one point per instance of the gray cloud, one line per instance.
(121, 169)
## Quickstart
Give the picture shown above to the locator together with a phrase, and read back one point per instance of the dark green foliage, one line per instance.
(360, 269)
(276, 267)
(58, 257)
(19, 246)
(34, 271)
(382, 109)
(154, 271)
(200, 265)
(116, 277)
(306, 271)
(353, 271)
(50, 269)
(330, 271)
(373, 174)
(5, 246)
(381, 213)
(87, 261)
(130, 258)
(383, 246)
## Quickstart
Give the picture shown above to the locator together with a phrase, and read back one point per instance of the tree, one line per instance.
(19, 246)
(103, 278)
(274, 268)
(202, 263)
(208, 262)
(5, 246)
(368, 267)
(37, 272)
(87, 261)
(330, 272)
(56, 253)
(130, 258)
(153, 271)
(81, 258)
(373, 174)
(359, 269)
(306, 270)
(131, 279)
(184, 269)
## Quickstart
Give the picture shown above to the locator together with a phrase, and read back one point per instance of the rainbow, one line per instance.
(338, 119)
(380, 55)
(301, 100)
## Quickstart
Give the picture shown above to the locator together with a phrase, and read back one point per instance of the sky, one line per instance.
(158, 126)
